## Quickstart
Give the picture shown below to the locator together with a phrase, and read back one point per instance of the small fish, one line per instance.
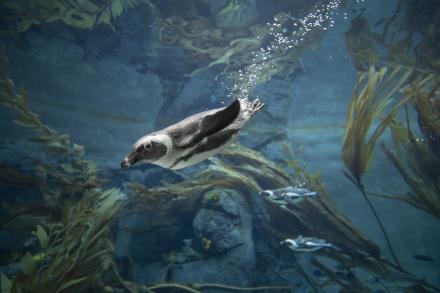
(423, 257)
(288, 195)
(306, 244)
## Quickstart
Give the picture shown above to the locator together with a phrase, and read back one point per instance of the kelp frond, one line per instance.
(248, 172)
(372, 96)
(18, 16)
(70, 174)
(73, 252)
(418, 159)
(361, 44)
(74, 248)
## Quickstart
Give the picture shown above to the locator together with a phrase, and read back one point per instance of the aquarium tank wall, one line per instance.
(220, 146)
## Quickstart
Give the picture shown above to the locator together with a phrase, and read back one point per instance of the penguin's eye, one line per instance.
(147, 146)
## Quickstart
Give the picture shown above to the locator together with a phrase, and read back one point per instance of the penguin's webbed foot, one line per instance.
(256, 105)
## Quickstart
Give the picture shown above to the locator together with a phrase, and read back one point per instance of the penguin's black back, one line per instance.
(193, 129)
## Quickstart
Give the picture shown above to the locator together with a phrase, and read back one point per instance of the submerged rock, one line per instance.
(217, 223)
(223, 242)
(225, 219)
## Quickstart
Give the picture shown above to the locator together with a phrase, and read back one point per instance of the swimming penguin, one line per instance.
(193, 139)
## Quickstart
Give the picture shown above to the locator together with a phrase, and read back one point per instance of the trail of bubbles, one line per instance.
(282, 37)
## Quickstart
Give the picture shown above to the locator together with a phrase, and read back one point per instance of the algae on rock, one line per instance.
(19, 16)
(248, 172)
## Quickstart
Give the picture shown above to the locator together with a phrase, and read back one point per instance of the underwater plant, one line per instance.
(69, 174)
(247, 171)
(361, 44)
(409, 37)
(373, 94)
(418, 159)
(415, 18)
(19, 16)
(73, 246)
(73, 252)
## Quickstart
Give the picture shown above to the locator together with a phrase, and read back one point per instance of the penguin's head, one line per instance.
(147, 149)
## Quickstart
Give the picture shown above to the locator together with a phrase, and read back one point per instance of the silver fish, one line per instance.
(287, 195)
(306, 244)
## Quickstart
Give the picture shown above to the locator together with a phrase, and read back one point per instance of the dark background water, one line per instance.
(107, 86)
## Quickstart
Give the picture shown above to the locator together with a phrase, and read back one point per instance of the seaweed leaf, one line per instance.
(42, 236)
(417, 160)
(6, 284)
(370, 100)
(28, 264)
(82, 232)
(372, 96)
(80, 14)
(71, 283)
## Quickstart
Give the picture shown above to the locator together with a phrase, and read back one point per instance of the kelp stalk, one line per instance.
(371, 98)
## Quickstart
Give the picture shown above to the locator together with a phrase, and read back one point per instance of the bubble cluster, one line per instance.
(431, 138)
(285, 32)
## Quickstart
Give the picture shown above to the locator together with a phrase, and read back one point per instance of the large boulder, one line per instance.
(221, 249)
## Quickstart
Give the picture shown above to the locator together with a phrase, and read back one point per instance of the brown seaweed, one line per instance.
(247, 171)
(372, 96)
(19, 16)
(395, 44)
(418, 159)
(74, 249)
(71, 174)
(361, 44)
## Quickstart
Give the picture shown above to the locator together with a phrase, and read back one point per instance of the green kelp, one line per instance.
(70, 173)
(74, 252)
(365, 45)
(212, 46)
(18, 16)
(393, 43)
(414, 17)
(417, 158)
(182, 198)
(361, 44)
(373, 94)
(247, 171)
(72, 218)
(196, 34)
(413, 158)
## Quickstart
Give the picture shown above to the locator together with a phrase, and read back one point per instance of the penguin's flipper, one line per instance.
(211, 124)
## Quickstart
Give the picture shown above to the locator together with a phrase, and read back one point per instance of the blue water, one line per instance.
(141, 66)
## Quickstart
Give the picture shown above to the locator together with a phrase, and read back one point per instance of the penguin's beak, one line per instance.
(129, 160)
